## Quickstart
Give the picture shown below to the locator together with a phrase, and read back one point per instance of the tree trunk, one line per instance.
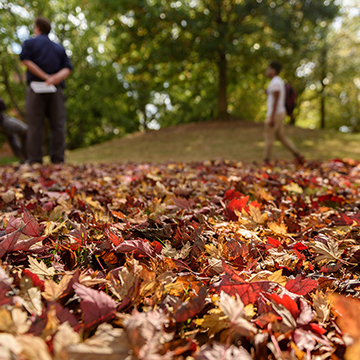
(222, 95)
(9, 91)
(323, 85)
(222, 65)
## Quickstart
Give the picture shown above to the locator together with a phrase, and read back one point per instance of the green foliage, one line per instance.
(145, 63)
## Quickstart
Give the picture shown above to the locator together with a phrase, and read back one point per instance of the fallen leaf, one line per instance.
(40, 268)
(97, 307)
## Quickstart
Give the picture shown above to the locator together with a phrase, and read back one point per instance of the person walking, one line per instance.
(47, 67)
(276, 113)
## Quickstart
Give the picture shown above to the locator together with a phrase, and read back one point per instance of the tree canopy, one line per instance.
(150, 63)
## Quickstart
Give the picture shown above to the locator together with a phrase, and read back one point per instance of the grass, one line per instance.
(233, 140)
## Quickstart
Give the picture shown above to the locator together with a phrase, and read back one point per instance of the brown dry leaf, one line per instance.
(6, 322)
(329, 251)
(348, 319)
(53, 291)
(126, 285)
(321, 304)
(32, 301)
(54, 227)
(148, 332)
(52, 323)
(182, 285)
(10, 347)
(8, 196)
(256, 215)
(234, 310)
(216, 321)
(40, 269)
(20, 320)
(108, 343)
(262, 193)
(64, 337)
(34, 348)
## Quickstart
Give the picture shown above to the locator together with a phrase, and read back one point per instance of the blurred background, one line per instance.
(149, 64)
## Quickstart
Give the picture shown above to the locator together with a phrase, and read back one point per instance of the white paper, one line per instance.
(40, 87)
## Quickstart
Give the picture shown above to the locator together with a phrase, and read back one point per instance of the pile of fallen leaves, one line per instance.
(213, 260)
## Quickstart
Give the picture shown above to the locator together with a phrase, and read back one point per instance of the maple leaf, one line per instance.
(108, 343)
(278, 277)
(8, 242)
(96, 306)
(328, 252)
(219, 351)
(147, 332)
(33, 347)
(13, 224)
(140, 246)
(40, 268)
(233, 284)
(32, 227)
(190, 308)
(287, 302)
(301, 286)
(234, 310)
(112, 237)
(53, 291)
(321, 305)
(215, 321)
(278, 229)
(235, 205)
(64, 337)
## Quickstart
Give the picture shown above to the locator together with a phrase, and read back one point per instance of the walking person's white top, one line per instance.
(276, 84)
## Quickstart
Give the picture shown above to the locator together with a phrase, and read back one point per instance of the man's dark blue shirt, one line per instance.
(49, 56)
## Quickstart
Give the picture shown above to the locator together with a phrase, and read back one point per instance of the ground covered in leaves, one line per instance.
(211, 260)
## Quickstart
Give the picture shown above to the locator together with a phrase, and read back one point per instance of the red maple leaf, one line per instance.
(112, 237)
(235, 204)
(233, 284)
(8, 242)
(301, 286)
(231, 194)
(32, 227)
(286, 301)
(97, 307)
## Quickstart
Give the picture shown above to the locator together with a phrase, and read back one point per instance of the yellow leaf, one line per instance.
(278, 277)
(215, 321)
(256, 215)
(278, 229)
(294, 188)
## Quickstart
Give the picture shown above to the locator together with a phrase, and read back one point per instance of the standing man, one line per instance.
(48, 63)
(276, 113)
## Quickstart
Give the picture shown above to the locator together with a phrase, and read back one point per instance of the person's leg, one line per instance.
(280, 134)
(57, 116)
(34, 116)
(269, 133)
